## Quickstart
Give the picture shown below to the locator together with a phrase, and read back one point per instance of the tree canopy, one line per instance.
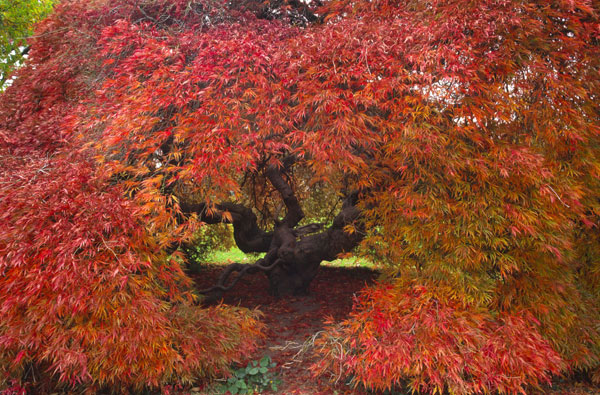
(454, 142)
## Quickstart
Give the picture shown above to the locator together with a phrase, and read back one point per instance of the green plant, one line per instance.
(17, 19)
(254, 378)
(206, 241)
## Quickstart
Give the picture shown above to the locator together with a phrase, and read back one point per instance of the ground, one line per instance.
(292, 322)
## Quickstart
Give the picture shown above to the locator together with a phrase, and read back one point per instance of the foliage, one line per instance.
(410, 333)
(467, 131)
(87, 294)
(207, 240)
(486, 183)
(17, 18)
(254, 378)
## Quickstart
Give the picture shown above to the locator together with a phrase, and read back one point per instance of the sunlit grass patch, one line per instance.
(236, 255)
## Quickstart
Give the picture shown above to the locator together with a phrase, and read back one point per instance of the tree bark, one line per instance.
(293, 254)
(301, 258)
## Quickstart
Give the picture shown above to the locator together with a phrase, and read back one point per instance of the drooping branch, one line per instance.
(241, 269)
(327, 245)
(248, 236)
(275, 175)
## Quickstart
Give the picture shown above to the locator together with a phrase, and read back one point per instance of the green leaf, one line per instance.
(264, 362)
(16, 20)
(241, 384)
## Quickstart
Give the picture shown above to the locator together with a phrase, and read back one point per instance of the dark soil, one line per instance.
(292, 321)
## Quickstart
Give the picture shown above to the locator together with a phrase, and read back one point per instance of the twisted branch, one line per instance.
(242, 269)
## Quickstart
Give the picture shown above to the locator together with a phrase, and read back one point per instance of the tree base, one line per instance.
(288, 280)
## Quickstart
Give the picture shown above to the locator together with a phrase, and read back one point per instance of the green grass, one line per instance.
(351, 262)
(236, 255)
(233, 255)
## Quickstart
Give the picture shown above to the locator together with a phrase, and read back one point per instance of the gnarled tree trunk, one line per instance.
(293, 254)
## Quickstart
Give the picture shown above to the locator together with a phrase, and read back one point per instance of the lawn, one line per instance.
(236, 255)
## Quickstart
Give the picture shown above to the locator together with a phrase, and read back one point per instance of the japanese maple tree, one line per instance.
(454, 142)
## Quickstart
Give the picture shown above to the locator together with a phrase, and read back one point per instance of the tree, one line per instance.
(455, 142)
(16, 20)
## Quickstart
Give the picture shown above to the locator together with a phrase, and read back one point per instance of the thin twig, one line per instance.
(43, 34)
(564, 204)
(107, 246)
(367, 61)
